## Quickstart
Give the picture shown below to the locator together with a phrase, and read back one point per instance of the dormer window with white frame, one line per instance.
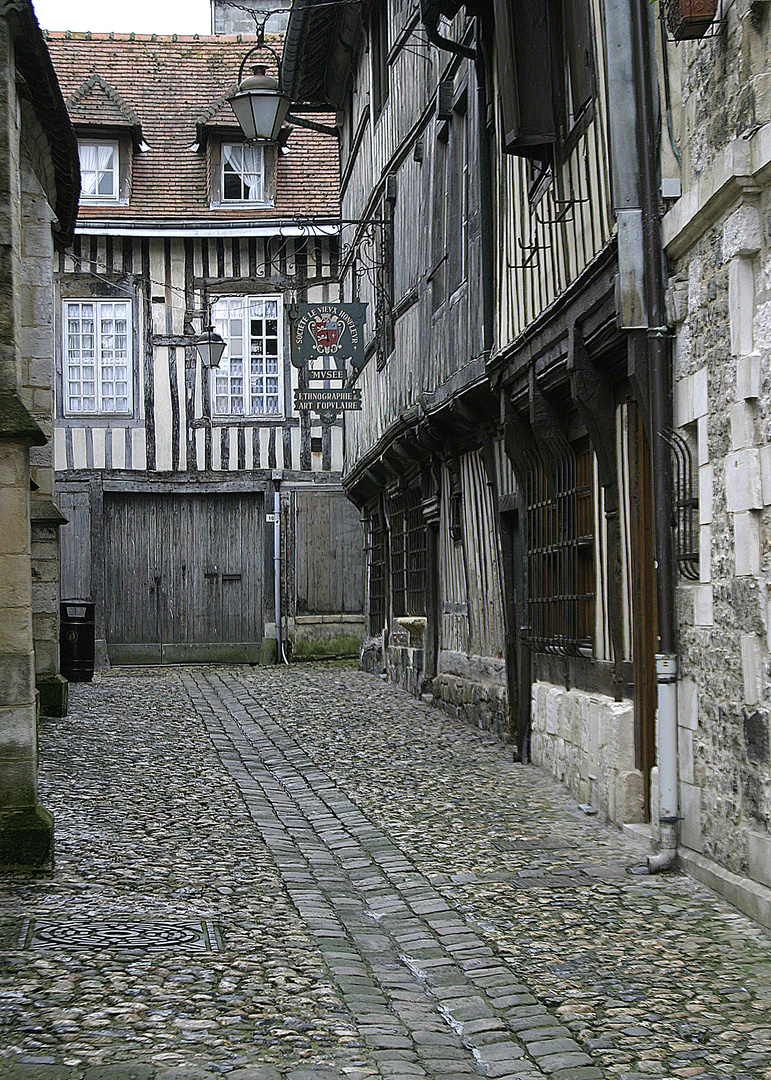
(99, 171)
(243, 173)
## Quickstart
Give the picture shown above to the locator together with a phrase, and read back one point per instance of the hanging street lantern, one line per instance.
(210, 347)
(259, 104)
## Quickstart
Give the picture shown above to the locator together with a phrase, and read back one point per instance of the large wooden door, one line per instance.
(330, 555)
(183, 577)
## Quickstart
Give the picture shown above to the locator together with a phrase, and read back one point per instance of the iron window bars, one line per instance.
(685, 506)
(416, 554)
(559, 509)
(377, 575)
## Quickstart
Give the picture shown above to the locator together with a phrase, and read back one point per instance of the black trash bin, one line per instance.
(76, 640)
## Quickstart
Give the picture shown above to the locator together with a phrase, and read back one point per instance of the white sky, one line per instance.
(139, 16)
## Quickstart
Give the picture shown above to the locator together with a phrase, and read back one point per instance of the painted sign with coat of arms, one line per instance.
(333, 331)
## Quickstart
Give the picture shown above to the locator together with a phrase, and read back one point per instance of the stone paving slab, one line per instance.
(391, 896)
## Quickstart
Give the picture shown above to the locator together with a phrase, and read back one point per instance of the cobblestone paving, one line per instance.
(306, 874)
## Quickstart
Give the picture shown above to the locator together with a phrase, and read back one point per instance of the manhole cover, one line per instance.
(200, 936)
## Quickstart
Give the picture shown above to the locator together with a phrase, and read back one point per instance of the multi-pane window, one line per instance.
(243, 173)
(98, 170)
(97, 368)
(248, 380)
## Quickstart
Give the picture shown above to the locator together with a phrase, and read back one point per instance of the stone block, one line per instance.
(27, 838)
(748, 377)
(16, 631)
(18, 782)
(53, 692)
(743, 487)
(45, 598)
(13, 470)
(702, 435)
(751, 668)
(14, 581)
(746, 545)
(554, 706)
(706, 475)
(742, 426)
(688, 704)
(685, 754)
(741, 304)
(705, 553)
(759, 856)
(629, 797)
(700, 393)
(14, 514)
(761, 92)
(742, 232)
(684, 401)
(17, 680)
(765, 474)
(690, 811)
(702, 605)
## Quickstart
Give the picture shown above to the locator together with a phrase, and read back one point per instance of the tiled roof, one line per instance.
(96, 102)
(169, 85)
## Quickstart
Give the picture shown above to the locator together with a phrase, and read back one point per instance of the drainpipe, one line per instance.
(661, 422)
(485, 198)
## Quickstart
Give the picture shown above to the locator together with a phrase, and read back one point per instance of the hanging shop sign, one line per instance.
(326, 401)
(329, 331)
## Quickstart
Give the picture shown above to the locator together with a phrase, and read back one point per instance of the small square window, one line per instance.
(243, 173)
(98, 171)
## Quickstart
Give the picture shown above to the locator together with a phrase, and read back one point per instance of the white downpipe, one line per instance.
(666, 672)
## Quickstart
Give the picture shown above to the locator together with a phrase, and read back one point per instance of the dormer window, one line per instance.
(243, 173)
(99, 171)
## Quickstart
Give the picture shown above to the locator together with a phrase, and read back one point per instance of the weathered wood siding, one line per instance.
(407, 162)
(172, 428)
(486, 628)
(75, 555)
(329, 560)
(454, 631)
(559, 236)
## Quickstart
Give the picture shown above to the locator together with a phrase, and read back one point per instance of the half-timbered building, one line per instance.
(420, 457)
(493, 218)
(167, 470)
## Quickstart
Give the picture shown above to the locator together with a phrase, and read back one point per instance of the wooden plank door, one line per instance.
(184, 577)
(75, 544)
(330, 555)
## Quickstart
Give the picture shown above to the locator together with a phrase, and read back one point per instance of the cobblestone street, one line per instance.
(303, 873)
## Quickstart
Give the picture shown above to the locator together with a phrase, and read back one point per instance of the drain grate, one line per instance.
(120, 934)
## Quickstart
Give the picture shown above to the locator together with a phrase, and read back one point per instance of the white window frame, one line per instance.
(97, 371)
(250, 378)
(98, 144)
(233, 150)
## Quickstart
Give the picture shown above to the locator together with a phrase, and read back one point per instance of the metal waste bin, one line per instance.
(76, 640)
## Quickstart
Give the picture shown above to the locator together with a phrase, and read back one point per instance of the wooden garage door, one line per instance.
(183, 577)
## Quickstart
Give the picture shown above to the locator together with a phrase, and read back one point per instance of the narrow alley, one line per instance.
(304, 873)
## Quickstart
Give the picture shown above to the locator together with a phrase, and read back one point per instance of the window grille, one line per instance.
(416, 555)
(560, 556)
(685, 507)
(377, 575)
(398, 554)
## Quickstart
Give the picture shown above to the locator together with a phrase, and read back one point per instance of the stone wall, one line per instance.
(586, 741)
(718, 240)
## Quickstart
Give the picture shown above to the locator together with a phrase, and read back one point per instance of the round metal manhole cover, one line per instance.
(123, 934)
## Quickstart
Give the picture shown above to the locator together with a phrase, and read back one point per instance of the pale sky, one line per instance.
(139, 16)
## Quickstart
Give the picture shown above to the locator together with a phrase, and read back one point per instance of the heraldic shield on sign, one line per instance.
(333, 330)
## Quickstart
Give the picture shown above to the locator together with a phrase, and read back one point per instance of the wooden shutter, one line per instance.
(525, 76)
